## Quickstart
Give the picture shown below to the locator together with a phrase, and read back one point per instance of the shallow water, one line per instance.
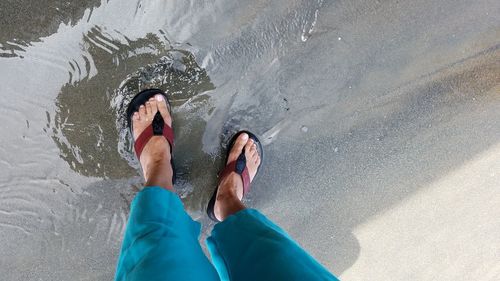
(359, 106)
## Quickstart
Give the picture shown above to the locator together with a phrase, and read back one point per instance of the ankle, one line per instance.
(227, 206)
(162, 176)
(227, 200)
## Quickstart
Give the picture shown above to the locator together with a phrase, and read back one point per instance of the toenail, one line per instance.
(159, 97)
(245, 136)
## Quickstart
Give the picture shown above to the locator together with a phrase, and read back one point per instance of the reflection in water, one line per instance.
(85, 127)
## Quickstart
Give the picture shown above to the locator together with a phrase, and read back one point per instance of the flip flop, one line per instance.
(158, 126)
(239, 166)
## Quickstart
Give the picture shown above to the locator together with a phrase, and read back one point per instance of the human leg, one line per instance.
(161, 240)
(248, 246)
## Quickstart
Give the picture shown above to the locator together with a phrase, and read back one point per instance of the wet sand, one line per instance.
(380, 120)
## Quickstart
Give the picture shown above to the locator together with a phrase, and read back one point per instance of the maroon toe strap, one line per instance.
(144, 137)
(246, 181)
(245, 176)
(168, 133)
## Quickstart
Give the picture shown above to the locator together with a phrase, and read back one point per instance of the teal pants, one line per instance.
(161, 243)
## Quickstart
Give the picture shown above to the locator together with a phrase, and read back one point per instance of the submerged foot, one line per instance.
(230, 191)
(155, 157)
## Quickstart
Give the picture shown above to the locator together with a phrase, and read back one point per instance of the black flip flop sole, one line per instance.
(140, 99)
(211, 203)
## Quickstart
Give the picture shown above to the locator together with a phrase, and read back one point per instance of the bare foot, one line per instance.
(155, 157)
(230, 192)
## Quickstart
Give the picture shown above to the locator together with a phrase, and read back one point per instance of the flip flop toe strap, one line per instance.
(157, 128)
(240, 167)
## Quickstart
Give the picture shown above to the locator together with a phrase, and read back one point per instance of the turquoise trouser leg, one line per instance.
(161, 241)
(248, 246)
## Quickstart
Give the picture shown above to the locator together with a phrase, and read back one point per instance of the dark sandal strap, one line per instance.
(240, 167)
(148, 133)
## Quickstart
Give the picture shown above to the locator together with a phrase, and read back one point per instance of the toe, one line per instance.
(135, 116)
(238, 146)
(149, 111)
(248, 148)
(139, 121)
(253, 149)
(254, 153)
(257, 161)
(142, 112)
(252, 156)
(154, 107)
(163, 109)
